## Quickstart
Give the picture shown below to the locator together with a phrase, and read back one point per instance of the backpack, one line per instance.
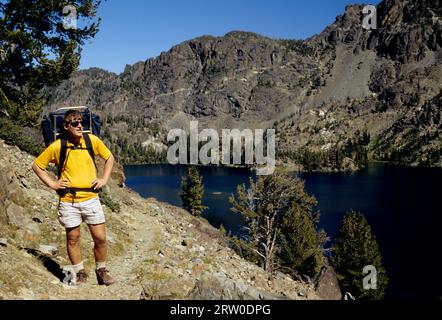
(52, 125)
(52, 129)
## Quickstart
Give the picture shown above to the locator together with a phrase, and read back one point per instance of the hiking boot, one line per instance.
(81, 276)
(103, 277)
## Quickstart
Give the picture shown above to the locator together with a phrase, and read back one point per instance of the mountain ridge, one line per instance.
(360, 80)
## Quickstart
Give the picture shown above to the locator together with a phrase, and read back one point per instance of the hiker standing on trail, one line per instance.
(78, 188)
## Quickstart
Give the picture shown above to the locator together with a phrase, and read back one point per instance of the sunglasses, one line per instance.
(75, 123)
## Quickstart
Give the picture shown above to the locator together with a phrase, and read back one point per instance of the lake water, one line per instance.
(402, 205)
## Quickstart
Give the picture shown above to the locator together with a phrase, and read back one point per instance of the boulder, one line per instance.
(15, 215)
(349, 165)
(215, 287)
(3, 242)
(219, 287)
(47, 250)
(327, 286)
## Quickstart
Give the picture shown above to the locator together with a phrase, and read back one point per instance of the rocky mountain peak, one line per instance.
(408, 29)
(397, 12)
(352, 15)
(243, 35)
(243, 79)
(347, 28)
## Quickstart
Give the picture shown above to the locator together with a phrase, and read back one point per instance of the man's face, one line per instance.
(74, 126)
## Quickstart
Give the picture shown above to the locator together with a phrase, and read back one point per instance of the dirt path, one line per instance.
(126, 267)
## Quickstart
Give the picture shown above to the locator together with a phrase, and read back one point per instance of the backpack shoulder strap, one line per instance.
(63, 151)
(89, 147)
(64, 148)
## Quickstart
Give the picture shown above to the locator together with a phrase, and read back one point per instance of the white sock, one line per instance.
(78, 267)
(101, 265)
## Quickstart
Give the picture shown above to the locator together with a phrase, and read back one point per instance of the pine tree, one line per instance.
(38, 49)
(280, 221)
(192, 190)
(354, 249)
(300, 249)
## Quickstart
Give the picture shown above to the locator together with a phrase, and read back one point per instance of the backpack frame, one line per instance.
(52, 125)
(52, 128)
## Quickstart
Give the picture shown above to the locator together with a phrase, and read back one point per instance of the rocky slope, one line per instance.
(378, 79)
(156, 251)
(317, 93)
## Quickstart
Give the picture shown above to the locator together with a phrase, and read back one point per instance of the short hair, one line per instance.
(71, 113)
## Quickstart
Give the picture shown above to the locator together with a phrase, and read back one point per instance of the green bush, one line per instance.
(13, 135)
(107, 200)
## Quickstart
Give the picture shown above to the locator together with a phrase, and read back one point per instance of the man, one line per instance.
(78, 188)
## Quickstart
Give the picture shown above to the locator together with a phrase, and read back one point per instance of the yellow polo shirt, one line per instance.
(79, 168)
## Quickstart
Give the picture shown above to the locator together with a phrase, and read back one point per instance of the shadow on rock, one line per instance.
(51, 265)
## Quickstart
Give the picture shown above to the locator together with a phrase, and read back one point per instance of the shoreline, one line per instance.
(288, 167)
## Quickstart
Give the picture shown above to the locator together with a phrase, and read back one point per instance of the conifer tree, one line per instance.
(354, 249)
(192, 191)
(300, 249)
(40, 45)
(280, 221)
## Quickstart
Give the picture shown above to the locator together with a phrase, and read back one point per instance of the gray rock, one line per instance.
(47, 250)
(25, 183)
(15, 215)
(197, 261)
(3, 242)
(153, 206)
(221, 275)
(209, 287)
(110, 237)
(253, 293)
(327, 286)
(241, 286)
(33, 228)
(219, 287)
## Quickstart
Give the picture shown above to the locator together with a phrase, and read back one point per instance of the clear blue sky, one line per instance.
(135, 30)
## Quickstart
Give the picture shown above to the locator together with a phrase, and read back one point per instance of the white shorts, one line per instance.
(71, 215)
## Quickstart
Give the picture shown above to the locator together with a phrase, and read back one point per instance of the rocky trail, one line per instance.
(156, 250)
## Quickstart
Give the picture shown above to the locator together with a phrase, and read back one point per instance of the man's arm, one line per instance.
(47, 180)
(101, 182)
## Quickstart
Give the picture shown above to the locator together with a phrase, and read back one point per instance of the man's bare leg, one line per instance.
(98, 233)
(73, 245)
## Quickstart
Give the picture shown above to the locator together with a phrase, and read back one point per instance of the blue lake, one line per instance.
(402, 205)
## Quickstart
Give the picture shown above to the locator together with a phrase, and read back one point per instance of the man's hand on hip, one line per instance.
(98, 184)
(60, 184)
